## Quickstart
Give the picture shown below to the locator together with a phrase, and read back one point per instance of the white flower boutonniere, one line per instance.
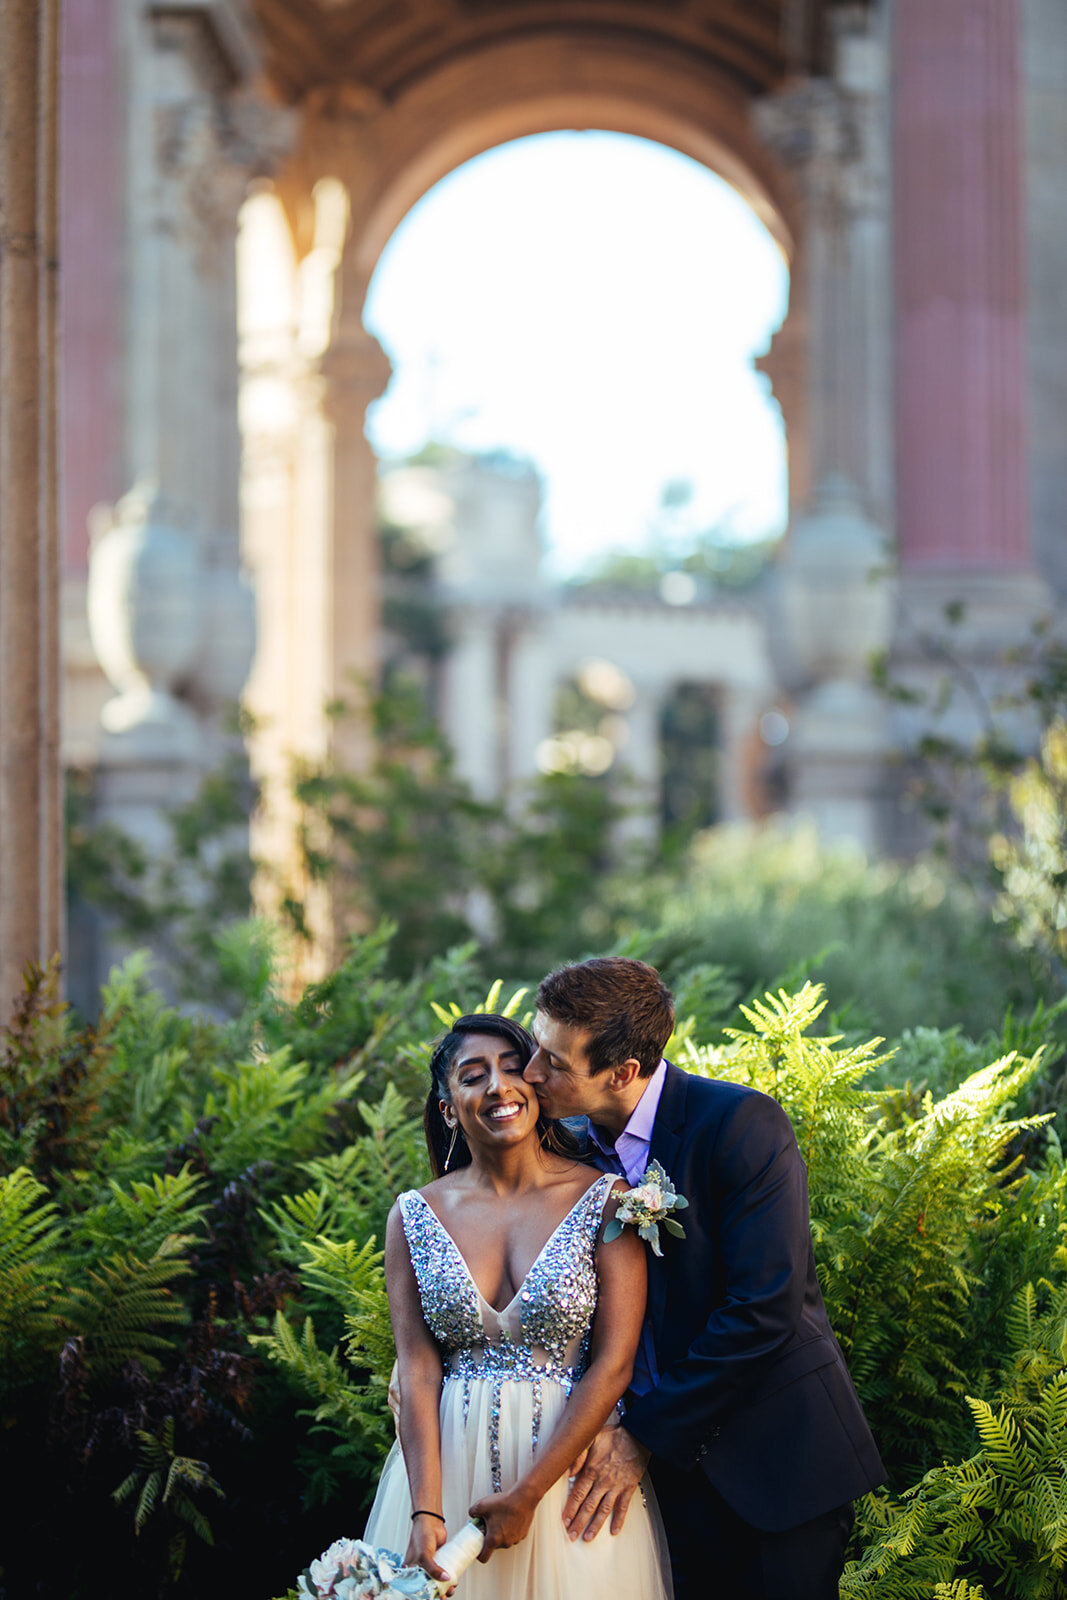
(646, 1205)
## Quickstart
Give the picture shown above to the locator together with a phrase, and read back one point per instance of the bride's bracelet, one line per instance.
(436, 1514)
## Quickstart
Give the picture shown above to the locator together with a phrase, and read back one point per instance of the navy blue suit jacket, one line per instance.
(752, 1388)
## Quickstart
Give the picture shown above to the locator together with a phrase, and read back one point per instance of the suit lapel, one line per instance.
(666, 1142)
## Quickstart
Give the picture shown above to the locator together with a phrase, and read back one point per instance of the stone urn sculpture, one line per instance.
(144, 624)
(831, 606)
(227, 638)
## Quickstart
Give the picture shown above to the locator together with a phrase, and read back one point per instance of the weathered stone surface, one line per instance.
(31, 845)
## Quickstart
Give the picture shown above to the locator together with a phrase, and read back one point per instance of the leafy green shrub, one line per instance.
(908, 1216)
(767, 907)
(191, 1288)
(141, 1160)
(994, 1524)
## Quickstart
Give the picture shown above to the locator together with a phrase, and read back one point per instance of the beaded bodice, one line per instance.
(542, 1334)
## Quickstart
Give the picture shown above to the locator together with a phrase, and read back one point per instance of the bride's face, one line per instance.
(495, 1107)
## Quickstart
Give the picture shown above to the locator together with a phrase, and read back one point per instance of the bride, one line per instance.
(516, 1328)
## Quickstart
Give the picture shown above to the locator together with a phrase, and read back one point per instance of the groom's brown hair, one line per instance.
(622, 1004)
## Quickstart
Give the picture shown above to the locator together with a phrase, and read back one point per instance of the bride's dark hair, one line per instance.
(554, 1135)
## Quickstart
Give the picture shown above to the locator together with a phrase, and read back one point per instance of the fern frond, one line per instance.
(31, 1269)
(140, 1217)
(122, 1305)
(168, 1479)
(357, 1411)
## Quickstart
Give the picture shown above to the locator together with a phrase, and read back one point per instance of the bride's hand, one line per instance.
(427, 1537)
(507, 1519)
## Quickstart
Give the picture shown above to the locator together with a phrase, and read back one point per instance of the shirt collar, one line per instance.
(642, 1117)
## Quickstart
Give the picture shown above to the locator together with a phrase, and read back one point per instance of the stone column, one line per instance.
(739, 712)
(171, 616)
(31, 835)
(832, 601)
(309, 370)
(534, 671)
(961, 376)
(832, 134)
(469, 700)
(960, 286)
(1045, 79)
(642, 760)
(336, 551)
(355, 370)
(92, 348)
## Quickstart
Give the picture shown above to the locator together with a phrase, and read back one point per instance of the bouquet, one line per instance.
(354, 1570)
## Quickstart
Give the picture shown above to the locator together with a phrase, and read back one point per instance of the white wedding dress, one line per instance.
(507, 1378)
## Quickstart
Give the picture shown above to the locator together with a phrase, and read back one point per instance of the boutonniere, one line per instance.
(646, 1205)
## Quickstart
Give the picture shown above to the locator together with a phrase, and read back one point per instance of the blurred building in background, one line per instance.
(668, 686)
(230, 173)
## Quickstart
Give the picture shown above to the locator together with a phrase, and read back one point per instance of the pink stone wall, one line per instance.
(91, 91)
(960, 285)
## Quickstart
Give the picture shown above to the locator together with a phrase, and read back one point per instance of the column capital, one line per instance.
(355, 370)
(225, 27)
(832, 134)
(824, 131)
(212, 147)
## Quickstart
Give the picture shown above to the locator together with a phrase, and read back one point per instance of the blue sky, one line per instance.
(593, 302)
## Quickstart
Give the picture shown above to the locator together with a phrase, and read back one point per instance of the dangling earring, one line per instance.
(452, 1146)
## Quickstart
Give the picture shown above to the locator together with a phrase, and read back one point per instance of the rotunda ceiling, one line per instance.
(383, 47)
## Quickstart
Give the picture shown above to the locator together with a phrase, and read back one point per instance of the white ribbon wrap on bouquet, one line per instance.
(459, 1552)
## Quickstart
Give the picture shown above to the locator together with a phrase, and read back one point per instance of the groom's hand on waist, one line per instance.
(604, 1485)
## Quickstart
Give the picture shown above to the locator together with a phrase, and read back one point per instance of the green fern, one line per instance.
(163, 1478)
(122, 1305)
(263, 1109)
(142, 1215)
(353, 1189)
(902, 1210)
(1003, 1510)
(355, 1278)
(31, 1269)
(350, 1395)
(446, 1015)
(351, 1412)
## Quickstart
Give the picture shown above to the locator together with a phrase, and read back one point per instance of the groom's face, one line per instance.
(559, 1070)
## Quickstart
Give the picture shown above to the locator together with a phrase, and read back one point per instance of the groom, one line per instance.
(741, 1405)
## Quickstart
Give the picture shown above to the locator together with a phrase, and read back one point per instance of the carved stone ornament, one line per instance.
(214, 147)
(227, 26)
(355, 368)
(827, 129)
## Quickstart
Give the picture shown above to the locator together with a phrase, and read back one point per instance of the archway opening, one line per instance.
(592, 303)
(576, 420)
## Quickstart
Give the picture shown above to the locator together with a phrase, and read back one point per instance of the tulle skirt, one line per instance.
(631, 1565)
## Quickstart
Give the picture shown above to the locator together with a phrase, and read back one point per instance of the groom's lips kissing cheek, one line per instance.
(557, 1067)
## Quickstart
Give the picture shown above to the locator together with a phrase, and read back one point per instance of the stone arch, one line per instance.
(388, 155)
(510, 91)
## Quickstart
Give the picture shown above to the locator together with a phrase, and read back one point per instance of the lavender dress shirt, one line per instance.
(628, 1155)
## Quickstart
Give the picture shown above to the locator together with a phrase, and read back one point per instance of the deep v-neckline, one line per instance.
(503, 1310)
